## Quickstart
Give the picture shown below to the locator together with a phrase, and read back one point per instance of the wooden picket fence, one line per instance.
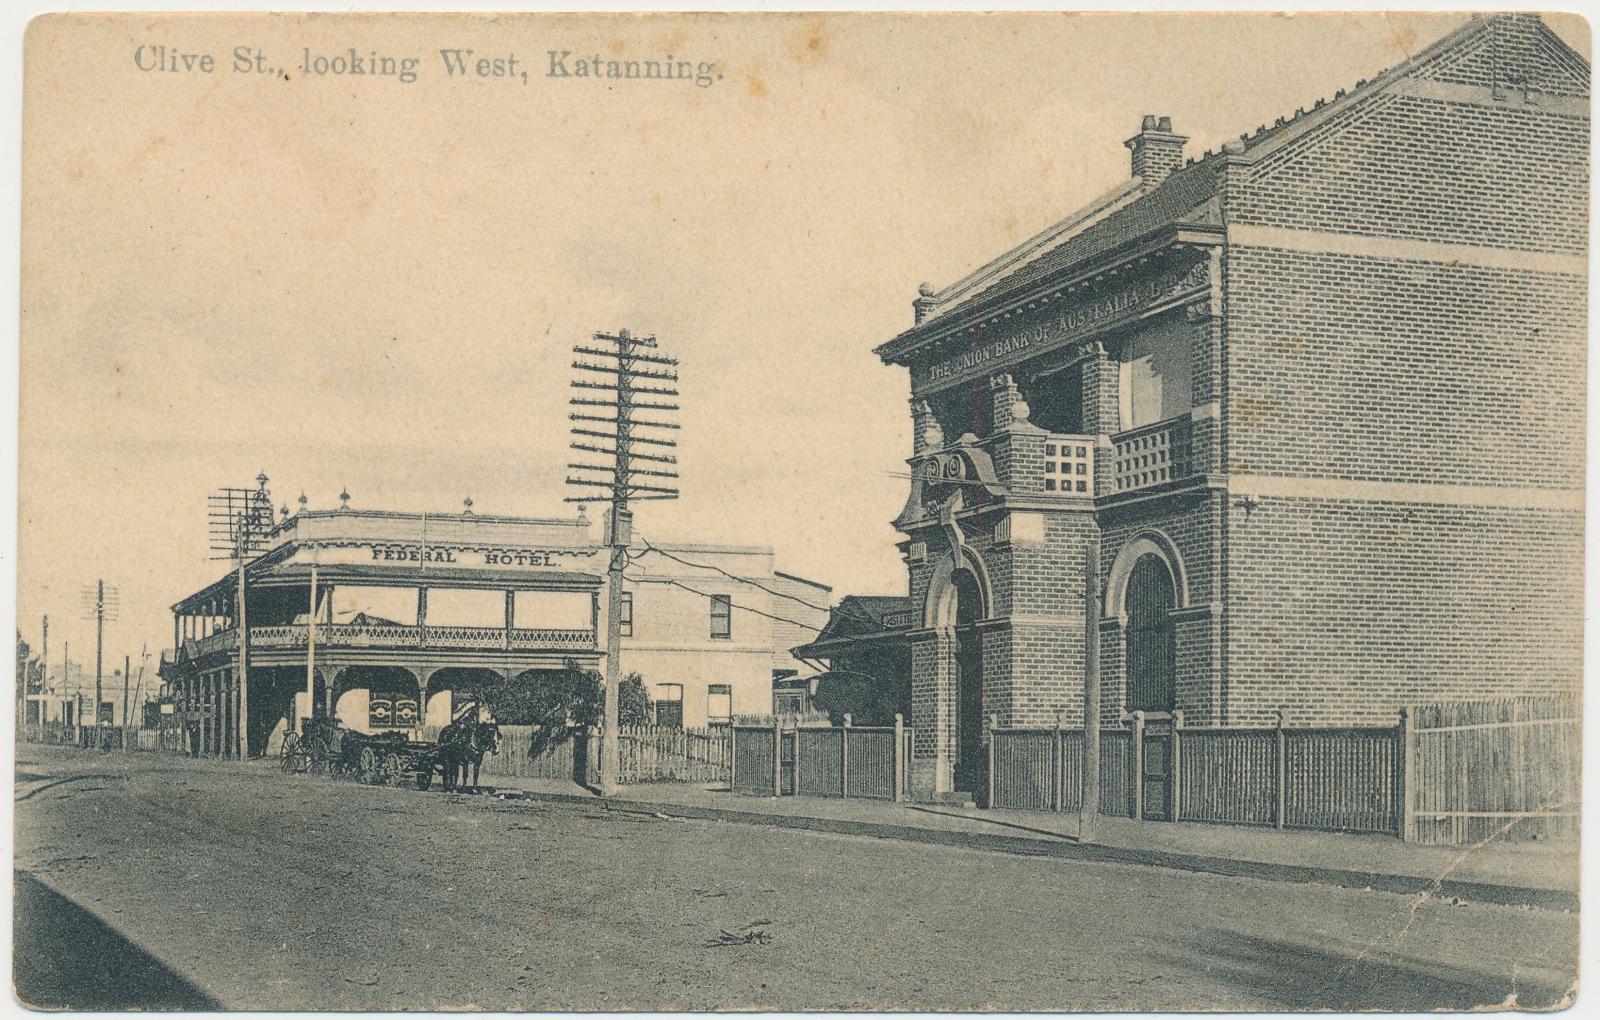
(1499, 769)
(1455, 773)
(71, 736)
(647, 754)
(782, 759)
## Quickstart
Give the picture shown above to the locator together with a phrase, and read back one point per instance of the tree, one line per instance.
(24, 665)
(562, 703)
(869, 700)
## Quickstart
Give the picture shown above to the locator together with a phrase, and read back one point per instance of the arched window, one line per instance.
(1151, 643)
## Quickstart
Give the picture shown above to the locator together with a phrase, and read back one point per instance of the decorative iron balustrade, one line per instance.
(216, 642)
(465, 637)
(1153, 454)
(523, 637)
(369, 635)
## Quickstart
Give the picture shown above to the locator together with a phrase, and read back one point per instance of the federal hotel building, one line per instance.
(417, 613)
(1316, 399)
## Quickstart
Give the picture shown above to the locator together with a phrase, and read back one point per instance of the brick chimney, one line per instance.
(1156, 150)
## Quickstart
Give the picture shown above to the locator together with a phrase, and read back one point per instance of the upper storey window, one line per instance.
(1157, 377)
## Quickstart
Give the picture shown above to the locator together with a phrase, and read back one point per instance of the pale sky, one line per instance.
(363, 283)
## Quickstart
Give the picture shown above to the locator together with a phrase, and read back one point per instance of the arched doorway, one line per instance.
(376, 698)
(1151, 642)
(967, 774)
(453, 690)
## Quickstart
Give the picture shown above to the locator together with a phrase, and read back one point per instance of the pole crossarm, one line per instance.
(625, 337)
(611, 452)
(620, 370)
(625, 421)
(654, 359)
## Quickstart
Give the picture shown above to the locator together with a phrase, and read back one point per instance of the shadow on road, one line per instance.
(63, 957)
(1296, 976)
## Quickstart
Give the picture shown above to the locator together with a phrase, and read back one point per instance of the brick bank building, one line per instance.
(1317, 400)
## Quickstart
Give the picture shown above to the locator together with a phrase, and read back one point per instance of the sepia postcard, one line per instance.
(894, 511)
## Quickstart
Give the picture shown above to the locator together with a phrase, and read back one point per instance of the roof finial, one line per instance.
(466, 507)
(344, 498)
(302, 501)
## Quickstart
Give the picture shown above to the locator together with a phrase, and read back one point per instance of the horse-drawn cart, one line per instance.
(323, 748)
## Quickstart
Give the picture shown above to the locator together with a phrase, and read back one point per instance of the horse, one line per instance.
(463, 743)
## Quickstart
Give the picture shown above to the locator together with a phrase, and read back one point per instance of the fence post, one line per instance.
(733, 757)
(1282, 768)
(1175, 766)
(1138, 765)
(990, 723)
(1404, 737)
(844, 757)
(1058, 767)
(777, 758)
(897, 761)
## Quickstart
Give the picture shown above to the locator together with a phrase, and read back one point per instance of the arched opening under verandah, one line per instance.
(453, 690)
(374, 699)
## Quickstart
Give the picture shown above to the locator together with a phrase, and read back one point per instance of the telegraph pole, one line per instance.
(240, 519)
(102, 603)
(1089, 799)
(44, 678)
(628, 370)
(127, 667)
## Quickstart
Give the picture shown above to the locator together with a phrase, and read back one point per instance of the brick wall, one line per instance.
(1457, 377)
(1510, 176)
(1404, 370)
(1342, 611)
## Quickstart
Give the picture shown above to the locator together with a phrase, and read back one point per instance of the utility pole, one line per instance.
(127, 668)
(628, 370)
(240, 519)
(102, 604)
(137, 703)
(1089, 800)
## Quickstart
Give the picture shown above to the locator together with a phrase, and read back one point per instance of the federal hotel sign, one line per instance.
(1077, 322)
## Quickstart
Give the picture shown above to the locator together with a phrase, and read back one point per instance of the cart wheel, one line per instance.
(369, 766)
(424, 779)
(391, 770)
(291, 752)
(318, 750)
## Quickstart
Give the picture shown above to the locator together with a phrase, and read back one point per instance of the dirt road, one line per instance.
(240, 887)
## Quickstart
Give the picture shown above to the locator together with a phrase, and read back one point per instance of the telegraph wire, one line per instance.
(737, 605)
(848, 614)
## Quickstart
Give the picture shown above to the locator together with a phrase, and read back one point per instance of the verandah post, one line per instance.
(1282, 769)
